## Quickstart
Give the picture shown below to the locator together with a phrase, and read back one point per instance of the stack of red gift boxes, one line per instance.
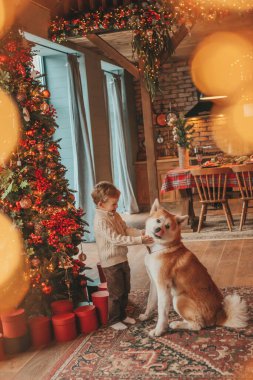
(17, 333)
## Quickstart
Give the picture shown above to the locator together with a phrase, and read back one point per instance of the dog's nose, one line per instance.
(158, 229)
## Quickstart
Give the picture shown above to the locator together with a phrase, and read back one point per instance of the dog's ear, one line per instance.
(181, 219)
(155, 206)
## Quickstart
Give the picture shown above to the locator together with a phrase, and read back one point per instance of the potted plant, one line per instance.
(183, 136)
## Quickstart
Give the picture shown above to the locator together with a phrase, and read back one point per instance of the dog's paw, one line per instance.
(175, 324)
(143, 317)
(155, 332)
(185, 325)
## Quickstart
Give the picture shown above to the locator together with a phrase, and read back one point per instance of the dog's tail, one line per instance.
(236, 311)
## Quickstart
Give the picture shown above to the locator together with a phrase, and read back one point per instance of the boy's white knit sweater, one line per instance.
(112, 237)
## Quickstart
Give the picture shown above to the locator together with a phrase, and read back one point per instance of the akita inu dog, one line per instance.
(177, 275)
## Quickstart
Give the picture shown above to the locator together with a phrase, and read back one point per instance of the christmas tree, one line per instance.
(34, 192)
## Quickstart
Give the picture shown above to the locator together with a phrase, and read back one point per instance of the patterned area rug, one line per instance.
(212, 353)
(215, 228)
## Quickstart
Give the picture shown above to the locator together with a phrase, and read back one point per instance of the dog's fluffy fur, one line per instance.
(177, 275)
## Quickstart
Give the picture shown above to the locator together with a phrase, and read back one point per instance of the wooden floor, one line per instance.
(229, 263)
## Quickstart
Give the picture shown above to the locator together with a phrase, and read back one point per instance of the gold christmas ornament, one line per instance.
(44, 107)
(25, 202)
(35, 261)
(82, 257)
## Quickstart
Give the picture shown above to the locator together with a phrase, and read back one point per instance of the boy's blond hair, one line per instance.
(104, 190)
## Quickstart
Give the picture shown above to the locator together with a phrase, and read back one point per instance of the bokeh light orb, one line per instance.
(220, 63)
(9, 10)
(2, 17)
(226, 134)
(241, 118)
(237, 5)
(9, 126)
(14, 281)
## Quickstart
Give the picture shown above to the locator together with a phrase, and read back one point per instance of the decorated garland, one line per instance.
(153, 26)
(153, 22)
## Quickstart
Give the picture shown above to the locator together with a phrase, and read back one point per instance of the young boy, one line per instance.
(112, 238)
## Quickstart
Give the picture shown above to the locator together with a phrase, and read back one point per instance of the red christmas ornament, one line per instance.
(29, 225)
(47, 289)
(3, 58)
(46, 94)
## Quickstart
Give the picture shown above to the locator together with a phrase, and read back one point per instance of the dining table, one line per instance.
(183, 180)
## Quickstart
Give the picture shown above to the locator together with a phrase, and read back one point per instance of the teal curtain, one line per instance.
(84, 173)
(119, 143)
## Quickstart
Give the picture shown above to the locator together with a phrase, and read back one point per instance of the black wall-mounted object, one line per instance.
(202, 108)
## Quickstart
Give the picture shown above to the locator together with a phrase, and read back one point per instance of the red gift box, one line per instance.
(64, 327)
(40, 328)
(62, 307)
(14, 324)
(87, 318)
(102, 286)
(2, 354)
(16, 345)
(100, 300)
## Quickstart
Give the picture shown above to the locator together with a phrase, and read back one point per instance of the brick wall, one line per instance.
(177, 93)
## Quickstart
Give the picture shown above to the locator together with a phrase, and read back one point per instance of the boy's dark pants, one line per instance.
(118, 285)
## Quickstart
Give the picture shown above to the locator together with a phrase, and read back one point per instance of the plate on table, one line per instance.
(209, 164)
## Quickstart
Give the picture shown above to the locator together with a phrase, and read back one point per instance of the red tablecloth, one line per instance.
(179, 179)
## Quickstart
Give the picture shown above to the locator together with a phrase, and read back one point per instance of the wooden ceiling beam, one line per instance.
(104, 4)
(66, 6)
(179, 36)
(149, 137)
(80, 5)
(108, 50)
(92, 4)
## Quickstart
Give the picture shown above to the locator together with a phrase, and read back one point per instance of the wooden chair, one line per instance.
(244, 175)
(211, 185)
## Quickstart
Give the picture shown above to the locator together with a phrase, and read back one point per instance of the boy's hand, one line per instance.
(146, 239)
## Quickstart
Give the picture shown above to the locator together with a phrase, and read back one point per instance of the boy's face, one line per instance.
(110, 205)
